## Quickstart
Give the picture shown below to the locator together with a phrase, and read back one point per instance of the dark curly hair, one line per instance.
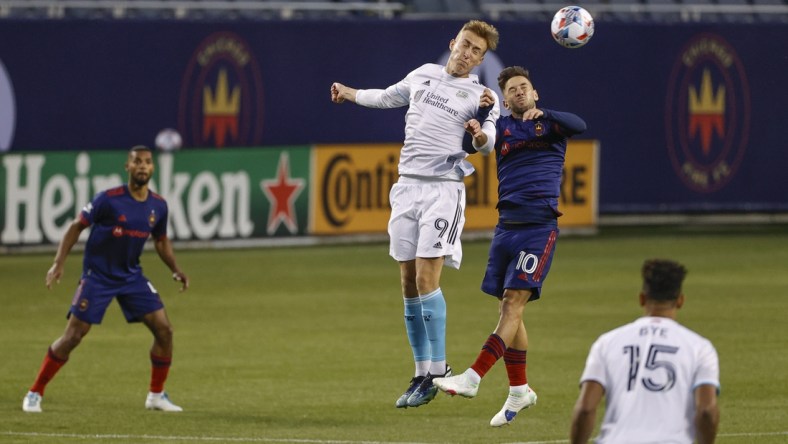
(512, 71)
(662, 279)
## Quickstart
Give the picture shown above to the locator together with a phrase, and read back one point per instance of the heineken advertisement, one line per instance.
(211, 194)
(257, 193)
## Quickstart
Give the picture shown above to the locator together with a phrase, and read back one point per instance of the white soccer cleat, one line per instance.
(514, 403)
(32, 402)
(160, 401)
(457, 385)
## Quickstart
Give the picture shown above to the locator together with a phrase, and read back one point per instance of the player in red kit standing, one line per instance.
(122, 219)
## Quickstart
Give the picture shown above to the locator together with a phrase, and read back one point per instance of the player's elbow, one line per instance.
(707, 420)
(484, 149)
(707, 416)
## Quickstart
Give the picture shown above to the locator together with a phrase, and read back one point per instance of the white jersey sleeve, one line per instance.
(650, 370)
(394, 96)
(438, 107)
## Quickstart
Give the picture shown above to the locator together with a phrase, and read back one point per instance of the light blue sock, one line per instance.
(417, 334)
(433, 308)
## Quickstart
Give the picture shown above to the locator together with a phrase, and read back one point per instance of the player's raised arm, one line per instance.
(70, 238)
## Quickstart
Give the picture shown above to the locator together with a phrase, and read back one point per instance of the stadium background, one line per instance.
(305, 344)
(679, 98)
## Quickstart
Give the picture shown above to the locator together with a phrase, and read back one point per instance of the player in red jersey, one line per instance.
(122, 219)
(530, 149)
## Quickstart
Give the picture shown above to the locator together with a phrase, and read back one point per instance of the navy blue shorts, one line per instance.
(92, 298)
(520, 258)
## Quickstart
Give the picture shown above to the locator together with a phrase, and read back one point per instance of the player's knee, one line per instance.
(72, 338)
(164, 332)
(513, 303)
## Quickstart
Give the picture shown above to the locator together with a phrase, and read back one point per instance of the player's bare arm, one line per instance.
(474, 128)
(584, 414)
(164, 249)
(340, 93)
(707, 413)
(66, 244)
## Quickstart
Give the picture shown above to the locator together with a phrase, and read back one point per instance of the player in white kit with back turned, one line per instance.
(660, 378)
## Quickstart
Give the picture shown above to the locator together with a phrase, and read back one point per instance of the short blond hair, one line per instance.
(483, 30)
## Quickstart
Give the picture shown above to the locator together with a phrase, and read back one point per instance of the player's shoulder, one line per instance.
(157, 196)
(115, 192)
(431, 67)
(429, 70)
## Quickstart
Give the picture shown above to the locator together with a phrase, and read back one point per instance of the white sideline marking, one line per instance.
(294, 440)
(194, 438)
(720, 435)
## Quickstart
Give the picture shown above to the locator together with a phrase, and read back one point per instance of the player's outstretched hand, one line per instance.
(533, 113)
(473, 128)
(487, 98)
(336, 92)
(53, 275)
(181, 277)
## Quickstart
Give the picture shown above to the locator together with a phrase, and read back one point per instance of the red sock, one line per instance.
(160, 367)
(492, 350)
(48, 369)
(515, 366)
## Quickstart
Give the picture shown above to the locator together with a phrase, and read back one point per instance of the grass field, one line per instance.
(307, 344)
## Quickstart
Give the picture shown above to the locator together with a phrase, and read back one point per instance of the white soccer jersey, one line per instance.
(439, 105)
(650, 369)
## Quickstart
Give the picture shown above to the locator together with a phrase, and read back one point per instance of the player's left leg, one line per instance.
(161, 360)
(495, 347)
(521, 396)
(140, 301)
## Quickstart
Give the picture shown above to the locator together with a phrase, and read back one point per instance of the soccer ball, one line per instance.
(168, 140)
(572, 27)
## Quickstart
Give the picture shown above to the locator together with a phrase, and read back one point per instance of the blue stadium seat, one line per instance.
(427, 6)
(735, 17)
(768, 17)
(627, 11)
(543, 15)
(664, 16)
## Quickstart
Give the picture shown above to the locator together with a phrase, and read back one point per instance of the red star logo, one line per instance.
(282, 193)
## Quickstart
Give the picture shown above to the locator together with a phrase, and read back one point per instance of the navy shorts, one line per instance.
(520, 258)
(136, 299)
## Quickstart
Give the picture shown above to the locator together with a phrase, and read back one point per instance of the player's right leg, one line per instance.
(403, 235)
(56, 357)
(414, 326)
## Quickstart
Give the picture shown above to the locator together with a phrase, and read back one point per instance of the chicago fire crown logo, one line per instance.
(707, 113)
(221, 100)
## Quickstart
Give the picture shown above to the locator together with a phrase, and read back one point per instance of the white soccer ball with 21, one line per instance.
(572, 27)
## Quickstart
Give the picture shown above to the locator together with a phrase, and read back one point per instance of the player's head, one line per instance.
(518, 92)
(662, 280)
(469, 47)
(139, 164)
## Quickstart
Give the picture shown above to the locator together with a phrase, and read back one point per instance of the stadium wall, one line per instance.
(256, 196)
(681, 111)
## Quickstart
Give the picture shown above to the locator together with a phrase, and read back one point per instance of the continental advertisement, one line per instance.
(256, 193)
(229, 194)
(352, 182)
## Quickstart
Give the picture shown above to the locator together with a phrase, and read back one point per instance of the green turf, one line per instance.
(307, 344)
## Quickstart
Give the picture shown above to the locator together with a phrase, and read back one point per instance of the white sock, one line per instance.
(473, 376)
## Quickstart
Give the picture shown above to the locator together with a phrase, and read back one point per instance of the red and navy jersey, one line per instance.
(120, 226)
(530, 157)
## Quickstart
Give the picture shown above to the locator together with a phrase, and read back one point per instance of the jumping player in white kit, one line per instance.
(428, 201)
